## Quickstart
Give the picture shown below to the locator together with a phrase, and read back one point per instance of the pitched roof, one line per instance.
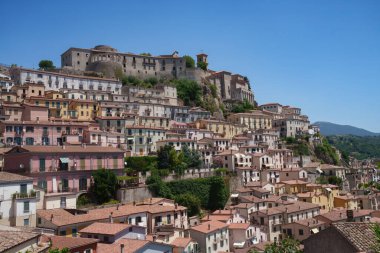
(105, 228)
(6, 177)
(341, 214)
(60, 242)
(239, 226)
(130, 246)
(210, 226)
(10, 239)
(62, 217)
(360, 235)
(181, 242)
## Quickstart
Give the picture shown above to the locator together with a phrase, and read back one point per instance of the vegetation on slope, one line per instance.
(356, 146)
(210, 193)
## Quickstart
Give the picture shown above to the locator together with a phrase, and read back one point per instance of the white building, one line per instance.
(18, 200)
(211, 236)
(56, 81)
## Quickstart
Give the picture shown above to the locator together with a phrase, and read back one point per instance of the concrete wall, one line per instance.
(127, 195)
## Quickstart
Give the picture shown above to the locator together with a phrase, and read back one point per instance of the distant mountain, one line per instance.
(328, 128)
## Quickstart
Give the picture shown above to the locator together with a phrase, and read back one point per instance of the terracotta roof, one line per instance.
(341, 214)
(239, 226)
(360, 235)
(130, 246)
(105, 228)
(210, 226)
(311, 223)
(6, 177)
(181, 242)
(216, 217)
(10, 239)
(297, 206)
(60, 242)
(68, 149)
(61, 217)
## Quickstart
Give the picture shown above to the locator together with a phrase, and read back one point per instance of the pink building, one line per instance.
(62, 168)
(33, 127)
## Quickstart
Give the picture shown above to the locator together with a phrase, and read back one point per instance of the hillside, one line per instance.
(328, 128)
(361, 147)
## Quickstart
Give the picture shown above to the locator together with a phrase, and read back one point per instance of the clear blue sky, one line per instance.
(322, 56)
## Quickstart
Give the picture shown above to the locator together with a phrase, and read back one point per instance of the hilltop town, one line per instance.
(124, 152)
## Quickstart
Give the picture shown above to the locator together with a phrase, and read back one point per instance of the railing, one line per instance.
(31, 194)
(64, 189)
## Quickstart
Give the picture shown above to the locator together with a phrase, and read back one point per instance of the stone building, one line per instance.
(106, 59)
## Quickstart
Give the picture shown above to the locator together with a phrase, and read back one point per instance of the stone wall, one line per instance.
(128, 195)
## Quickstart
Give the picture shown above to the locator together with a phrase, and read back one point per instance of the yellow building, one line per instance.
(294, 186)
(254, 120)
(223, 128)
(328, 190)
(58, 106)
(82, 110)
(347, 201)
(316, 198)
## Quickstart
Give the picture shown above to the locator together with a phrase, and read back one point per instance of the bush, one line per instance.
(190, 63)
(192, 203)
(46, 65)
(240, 107)
(202, 65)
(105, 185)
(189, 91)
(141, 163)
(83, 200)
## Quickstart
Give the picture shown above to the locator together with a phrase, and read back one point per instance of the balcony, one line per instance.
(31, 194)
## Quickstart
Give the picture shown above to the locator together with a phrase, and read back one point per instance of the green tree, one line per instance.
(192, 203)
(376, 230)
(189, 91)
(218, 194)
(190, 63)
(202, 65)
(145, 54)
(167, 158)
(46, 65)
(214, 90)
(244, 106)
(105, 185)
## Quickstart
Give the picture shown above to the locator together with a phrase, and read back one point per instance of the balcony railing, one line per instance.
(31, 194)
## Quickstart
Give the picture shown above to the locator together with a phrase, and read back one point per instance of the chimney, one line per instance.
(51, 217)
(134, 202)
(122, 248)
(209, 227)
(63, 147)
(111, 218)
(117, 207)
(350, 215)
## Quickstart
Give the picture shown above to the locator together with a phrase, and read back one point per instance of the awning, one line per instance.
(64, 160)
(130, 138)
(328, 189)
(320, 171)
(235, 195)
(314, 230)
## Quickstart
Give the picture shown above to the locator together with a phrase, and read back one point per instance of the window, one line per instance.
(42, 164)
(63, 202)
(74, 232)
(23, 189)
(300, 232)
(26, 222)
(26, 207)
(29, 129)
